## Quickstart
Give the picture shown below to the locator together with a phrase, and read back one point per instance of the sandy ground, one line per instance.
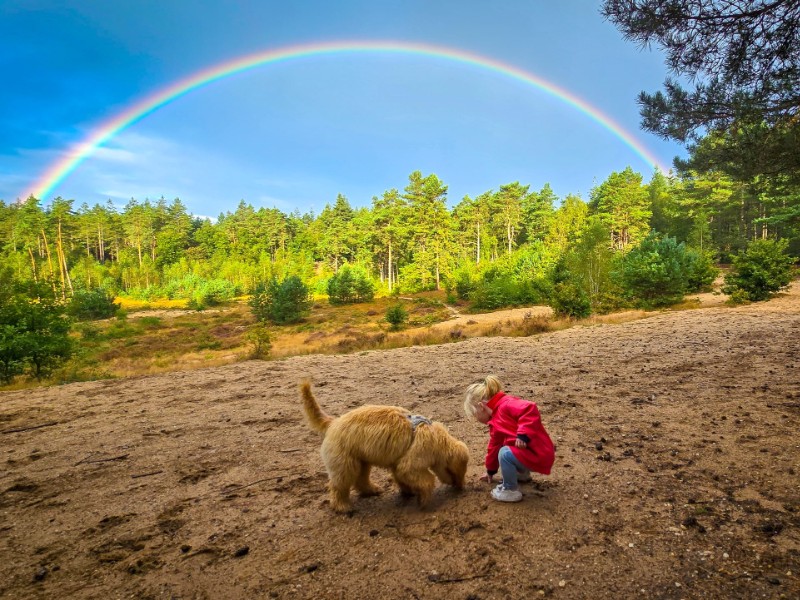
(676, 475)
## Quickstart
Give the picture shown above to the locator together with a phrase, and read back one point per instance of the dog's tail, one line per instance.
(317, 419)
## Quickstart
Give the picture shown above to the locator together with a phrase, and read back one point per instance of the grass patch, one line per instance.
(181, 340)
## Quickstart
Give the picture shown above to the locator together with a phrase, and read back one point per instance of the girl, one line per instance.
(518, 443)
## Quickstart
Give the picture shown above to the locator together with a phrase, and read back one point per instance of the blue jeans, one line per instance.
(510, 468)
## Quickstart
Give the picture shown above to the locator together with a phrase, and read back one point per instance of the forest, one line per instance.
(408, 240)
(630, 244)
(732, 206)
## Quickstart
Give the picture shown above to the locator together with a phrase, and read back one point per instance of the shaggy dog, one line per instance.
(384, 436)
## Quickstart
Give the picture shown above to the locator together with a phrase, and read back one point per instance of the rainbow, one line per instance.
(60, 169)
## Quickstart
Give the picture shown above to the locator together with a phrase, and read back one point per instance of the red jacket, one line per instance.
(514, 418)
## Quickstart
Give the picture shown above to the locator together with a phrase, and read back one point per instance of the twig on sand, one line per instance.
(86, 460)
(19, 429)
(252, 483)
(435, 578)
(147, 474)
(291, 450)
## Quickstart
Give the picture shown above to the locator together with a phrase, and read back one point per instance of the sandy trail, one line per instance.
(676, 474)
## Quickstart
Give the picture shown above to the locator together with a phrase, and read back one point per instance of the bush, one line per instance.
(701, 271)
(655, 273)
(464, 285)
(759, 272)
(262, 343)
(91, 305)
(569, 300)
(396, 316)
(281, 302)
(214, 291)
(34, 330)
(350, 286)
(499, 291)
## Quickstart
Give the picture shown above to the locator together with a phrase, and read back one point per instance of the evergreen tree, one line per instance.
(742, 57)
(537, 211)
(336, 243)
(429, 223)
(389, 217)
(623, 204)
(567, 223)
(508, 203)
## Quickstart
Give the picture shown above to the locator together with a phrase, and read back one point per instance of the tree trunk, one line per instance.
(33, 265)
(62, 265)
(101, 252)
(478, 244)
(389, 270)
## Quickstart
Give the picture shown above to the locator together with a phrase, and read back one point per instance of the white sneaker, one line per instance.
(504, 495)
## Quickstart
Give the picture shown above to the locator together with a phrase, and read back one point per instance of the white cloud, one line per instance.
(142, 165)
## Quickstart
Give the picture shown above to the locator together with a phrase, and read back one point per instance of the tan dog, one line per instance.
(384, 436)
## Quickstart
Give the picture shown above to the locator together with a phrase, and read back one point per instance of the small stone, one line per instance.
(373, 532)
(40, 574)
(241, 551)
(562, 583)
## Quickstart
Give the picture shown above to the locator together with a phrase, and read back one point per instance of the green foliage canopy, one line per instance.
(281, 302)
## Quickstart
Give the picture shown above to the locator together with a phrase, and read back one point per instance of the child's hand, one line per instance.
(487, 478)
(520, 444)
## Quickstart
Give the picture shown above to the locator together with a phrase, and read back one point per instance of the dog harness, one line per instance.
(418, 419)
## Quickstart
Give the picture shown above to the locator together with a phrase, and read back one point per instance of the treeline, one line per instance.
(408, 240)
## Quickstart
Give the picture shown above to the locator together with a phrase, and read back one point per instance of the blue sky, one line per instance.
(294, 135)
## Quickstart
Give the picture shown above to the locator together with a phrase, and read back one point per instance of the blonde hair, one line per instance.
(480, 392)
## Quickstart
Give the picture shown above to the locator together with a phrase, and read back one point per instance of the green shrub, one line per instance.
(569, 300)
(34, 330)
(212, 292)
(464, 285)
(91, 305)
(655, 273)
(262, 343)
(739, 296)
(501, 290)
(701, 271)
(281, 302)
(396, 316)
(760, 271)
(196, 304)
(349, 286)
(89, 332)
